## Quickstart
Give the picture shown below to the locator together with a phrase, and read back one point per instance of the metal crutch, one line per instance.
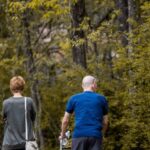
(61, 144)
(64, 141)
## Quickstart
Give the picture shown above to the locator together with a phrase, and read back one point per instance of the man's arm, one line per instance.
(105, 124)
(64, 125)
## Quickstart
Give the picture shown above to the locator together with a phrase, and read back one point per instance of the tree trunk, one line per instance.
(108, 60)
(31, 70)
(122, 6)
(3, 19)
(134, 10)
(78, 51)
(134, 16)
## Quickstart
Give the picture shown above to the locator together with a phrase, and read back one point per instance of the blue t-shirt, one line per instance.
(89, 109)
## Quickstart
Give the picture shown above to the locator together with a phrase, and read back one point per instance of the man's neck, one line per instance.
(86, 90)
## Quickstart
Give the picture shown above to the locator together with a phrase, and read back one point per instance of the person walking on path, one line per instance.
(91, 117)
(13, 113)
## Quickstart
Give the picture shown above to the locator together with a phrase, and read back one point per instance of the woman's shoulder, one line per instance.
(12, 100)
(7, 101)
(29, 100)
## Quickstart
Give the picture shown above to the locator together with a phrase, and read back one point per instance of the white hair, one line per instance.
(88, 81)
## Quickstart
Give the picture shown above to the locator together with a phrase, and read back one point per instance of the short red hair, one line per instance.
(17, 84)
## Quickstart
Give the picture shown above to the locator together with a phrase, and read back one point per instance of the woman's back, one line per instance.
(14, 116)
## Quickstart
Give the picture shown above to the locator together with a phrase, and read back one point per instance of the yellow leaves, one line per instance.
(85, 24)
(54, 9)
(78, 42)
(66, 1)
(3, 45)
(15, 7)
(48, 15)
(131, 21)
(13, 60)
(51, 4)
(34, 4)
(51, 8)
(94, 35)
(146, 6)
(146, 13)
(65, 45)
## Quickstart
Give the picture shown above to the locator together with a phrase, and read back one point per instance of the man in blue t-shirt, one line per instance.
(91, 117)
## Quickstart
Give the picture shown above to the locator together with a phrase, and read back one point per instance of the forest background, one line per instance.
(54, 43)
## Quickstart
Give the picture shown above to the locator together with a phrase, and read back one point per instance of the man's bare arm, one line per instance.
(64, 125)
(105, 123)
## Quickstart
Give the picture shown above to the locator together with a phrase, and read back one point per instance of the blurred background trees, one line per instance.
(53, 44)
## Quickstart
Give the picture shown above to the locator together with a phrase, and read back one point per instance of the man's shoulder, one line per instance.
(93, 93)
(77, 95)
(100, 96)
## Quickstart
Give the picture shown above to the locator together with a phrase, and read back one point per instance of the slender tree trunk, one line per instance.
(134, 10)
(31, 70)
(122, 6)
(108, 60)
(78, 51)
(3, 19)
(129, 9)
(134, 17)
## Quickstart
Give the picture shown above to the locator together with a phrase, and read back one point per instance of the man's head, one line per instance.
(17, 84)
(89, 83)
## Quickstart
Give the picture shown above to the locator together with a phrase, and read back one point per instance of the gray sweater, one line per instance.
(14, 115)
